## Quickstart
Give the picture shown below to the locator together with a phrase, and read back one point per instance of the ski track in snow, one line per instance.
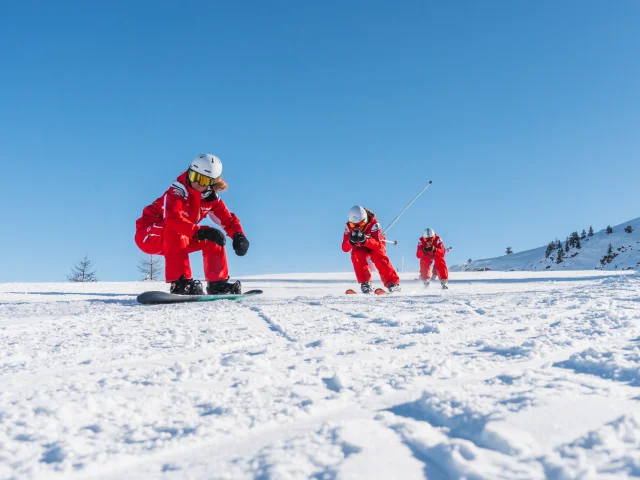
(504, 376)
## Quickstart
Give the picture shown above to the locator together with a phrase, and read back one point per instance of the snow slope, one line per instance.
(521, 375)
(626, 246)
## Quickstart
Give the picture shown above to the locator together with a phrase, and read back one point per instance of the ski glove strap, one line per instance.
(211, 234)
(240, 244)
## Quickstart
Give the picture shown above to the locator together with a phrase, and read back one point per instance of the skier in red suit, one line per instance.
(431, 250)
(169, 227)
(365, 240)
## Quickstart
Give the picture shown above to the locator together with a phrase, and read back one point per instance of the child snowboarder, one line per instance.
(431, 250)
(169, 227)
(364, 239)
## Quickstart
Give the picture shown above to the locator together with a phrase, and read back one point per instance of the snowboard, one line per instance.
(157, 298)
(377, 291)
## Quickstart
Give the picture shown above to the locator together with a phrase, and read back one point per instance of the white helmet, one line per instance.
(357, 214)
(429, 233)
(207, 164)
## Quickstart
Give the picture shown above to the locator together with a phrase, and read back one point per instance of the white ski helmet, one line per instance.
(357, 214)
(429, 233)
(207, 164)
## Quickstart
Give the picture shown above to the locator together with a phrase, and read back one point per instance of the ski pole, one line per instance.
(405, 208)
(392, 242)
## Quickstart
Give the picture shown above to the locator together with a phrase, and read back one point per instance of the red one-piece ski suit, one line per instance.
(435, 256)
(168, 225)
(375, 248)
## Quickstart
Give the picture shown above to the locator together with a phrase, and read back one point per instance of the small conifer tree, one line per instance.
(550, 247)
(574, 239)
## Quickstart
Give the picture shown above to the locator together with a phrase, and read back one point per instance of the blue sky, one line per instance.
(524, 114)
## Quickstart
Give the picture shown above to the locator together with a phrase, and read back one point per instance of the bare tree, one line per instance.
(151, 267)
(509, 251)
(82, 272)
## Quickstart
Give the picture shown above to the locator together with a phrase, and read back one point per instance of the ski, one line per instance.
(159, 298)
(377, 291)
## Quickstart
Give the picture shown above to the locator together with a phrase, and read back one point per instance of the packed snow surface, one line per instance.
(520, 375)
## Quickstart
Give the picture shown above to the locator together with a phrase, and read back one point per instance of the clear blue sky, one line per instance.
(525, 114)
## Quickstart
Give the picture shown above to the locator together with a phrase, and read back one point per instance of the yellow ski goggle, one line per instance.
(203, 180)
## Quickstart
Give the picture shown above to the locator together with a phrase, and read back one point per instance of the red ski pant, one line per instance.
(359, 256)
(157, 240)
(439, 267)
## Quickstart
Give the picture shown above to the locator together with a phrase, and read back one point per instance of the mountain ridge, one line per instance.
(593, 253)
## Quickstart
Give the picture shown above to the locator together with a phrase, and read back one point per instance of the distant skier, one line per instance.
(364, 239)
(431, 250)
(169, 227)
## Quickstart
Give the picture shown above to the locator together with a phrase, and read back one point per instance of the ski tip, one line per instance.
(351, 292)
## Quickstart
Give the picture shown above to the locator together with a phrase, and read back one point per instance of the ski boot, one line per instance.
(444, 284)
(186, 286)
(426, 283)
(393, 287)
(365, 287)
(224, 287)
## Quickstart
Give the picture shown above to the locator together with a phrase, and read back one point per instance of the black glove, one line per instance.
(357, 238)
(211, 234)
(429, 249)
(240, 244)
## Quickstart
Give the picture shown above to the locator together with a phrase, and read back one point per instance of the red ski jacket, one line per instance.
(181, 208)
(438, 252)
(373, 232)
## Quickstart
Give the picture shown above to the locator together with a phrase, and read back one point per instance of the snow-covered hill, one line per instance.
(507, 375)
(593, 254)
